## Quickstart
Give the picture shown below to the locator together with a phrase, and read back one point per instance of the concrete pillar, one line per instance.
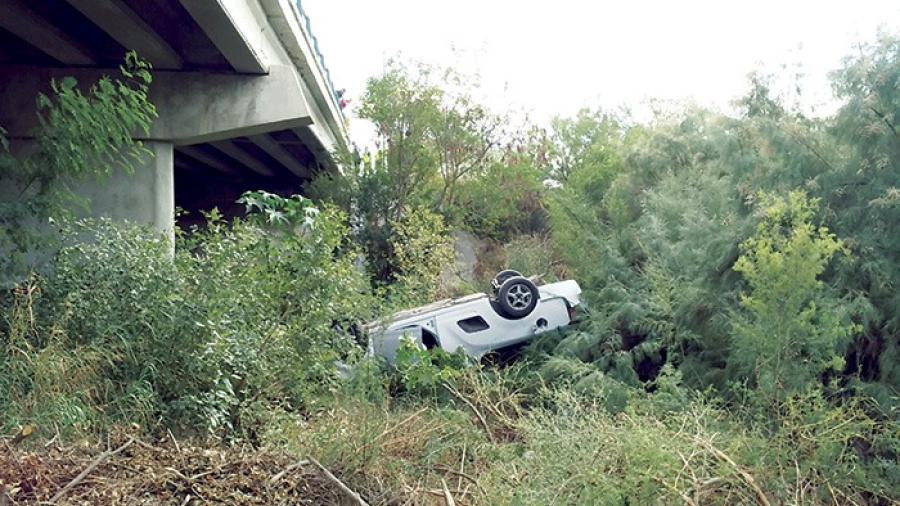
(146, 197)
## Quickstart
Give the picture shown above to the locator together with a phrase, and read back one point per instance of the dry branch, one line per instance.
(334, 479)
(295, 465)
(392, 429)
(684, 497)
(461, 475)
(462, 466)
(174, 441)
(745, 476)
(89, 469)
(481, 418)
(448, 498)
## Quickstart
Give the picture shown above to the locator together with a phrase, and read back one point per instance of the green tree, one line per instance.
(862, 201)
(434, 139)
(505, 200)
(404, 106)
(587, 142)
(465, 136)
(793, 330)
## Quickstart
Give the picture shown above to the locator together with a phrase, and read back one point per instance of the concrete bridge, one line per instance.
(243, 95)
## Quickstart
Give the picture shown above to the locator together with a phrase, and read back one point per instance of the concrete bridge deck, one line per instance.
(244, 98)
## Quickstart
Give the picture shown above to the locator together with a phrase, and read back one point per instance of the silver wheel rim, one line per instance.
(518, 296)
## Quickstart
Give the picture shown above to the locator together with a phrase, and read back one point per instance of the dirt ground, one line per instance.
(125, 470)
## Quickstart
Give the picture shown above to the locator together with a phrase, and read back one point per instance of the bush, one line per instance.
(423, 372)
(504, 201)
(245, 318)
(678, 447)
(534, 255)
(793, 331)
(421, 250)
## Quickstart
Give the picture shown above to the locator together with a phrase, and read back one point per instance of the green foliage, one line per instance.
(535, 255)
(80, 135)
(656, 246)
(503, 201)
(585, 149)
(573, 451)
(655, 266)
(421, 250)
(735, 350)
(246, 319)
(268, 209)
(861, 198)
(793, 331)
(465, 136)
(435, 134)
(405, 106)
(369, 199)
(424, 371)
(439, 150)
(91, 134)
(555, 443)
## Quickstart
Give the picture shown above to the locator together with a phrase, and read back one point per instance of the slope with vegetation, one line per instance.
(741, 346)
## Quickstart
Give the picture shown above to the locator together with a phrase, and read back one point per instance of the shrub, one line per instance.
(245, 318)
(505, 200)
(423, 371)
(792, 331)
(534, 255)
(679, 447)
(421, 249)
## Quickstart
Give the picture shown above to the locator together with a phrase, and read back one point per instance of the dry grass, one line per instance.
(564, 450)
(159, 472)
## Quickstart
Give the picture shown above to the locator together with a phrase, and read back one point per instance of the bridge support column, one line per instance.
(145, 197)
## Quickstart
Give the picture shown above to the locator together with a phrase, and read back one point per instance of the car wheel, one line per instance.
(517, 297)
(502, 276)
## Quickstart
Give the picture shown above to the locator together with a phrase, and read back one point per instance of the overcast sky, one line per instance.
(549, 58)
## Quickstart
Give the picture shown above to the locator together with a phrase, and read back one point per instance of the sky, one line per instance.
(545, 58)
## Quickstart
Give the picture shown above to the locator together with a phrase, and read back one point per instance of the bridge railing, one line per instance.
(318, 54)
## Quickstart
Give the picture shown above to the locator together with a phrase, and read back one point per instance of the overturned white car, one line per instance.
(480, 323)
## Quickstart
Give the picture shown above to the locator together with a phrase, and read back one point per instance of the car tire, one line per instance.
(502, 276)
(517, 297)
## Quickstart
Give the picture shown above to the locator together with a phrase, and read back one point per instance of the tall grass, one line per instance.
(545, 443)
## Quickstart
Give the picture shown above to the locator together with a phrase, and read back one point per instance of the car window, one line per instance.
(473, 324)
